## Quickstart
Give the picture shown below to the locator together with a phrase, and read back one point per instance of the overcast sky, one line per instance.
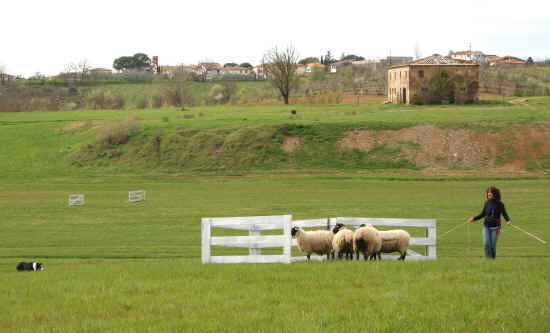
(45, 36)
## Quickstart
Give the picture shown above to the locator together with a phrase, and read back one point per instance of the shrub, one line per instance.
(522, 93)
(156, 101)
(117, 132)
(96, 99)
(216, 94)
(118, 102)
(142, 104)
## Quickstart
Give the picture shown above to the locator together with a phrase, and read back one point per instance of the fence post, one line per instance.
(253, 232)
(432, 254)
(205, 240)
(287, 248)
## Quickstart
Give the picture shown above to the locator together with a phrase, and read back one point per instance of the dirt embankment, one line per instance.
(516, 147)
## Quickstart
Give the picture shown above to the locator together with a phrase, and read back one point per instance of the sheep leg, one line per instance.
(403, 256)
(308, 257)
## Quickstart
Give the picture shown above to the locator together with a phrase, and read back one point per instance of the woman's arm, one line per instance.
(505, 214)
(480, 215)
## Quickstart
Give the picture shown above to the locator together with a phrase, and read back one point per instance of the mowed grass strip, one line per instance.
(38, 223)
(465, 295)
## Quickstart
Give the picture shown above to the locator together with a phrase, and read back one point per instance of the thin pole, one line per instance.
(528, 233)
(453, 229)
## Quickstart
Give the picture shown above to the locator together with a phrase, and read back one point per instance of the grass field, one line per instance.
(115, 266)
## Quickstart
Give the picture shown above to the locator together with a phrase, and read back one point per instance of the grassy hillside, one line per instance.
(235, 139)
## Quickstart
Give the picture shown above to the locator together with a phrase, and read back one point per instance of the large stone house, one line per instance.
(434, 79)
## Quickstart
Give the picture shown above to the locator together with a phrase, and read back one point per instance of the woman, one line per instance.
(492, 210)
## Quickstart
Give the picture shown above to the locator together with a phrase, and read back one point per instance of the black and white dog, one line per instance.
(30, 266)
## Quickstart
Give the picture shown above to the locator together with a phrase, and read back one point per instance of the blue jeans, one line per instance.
(490, 237)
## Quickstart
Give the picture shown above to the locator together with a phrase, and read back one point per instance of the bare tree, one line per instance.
(2, 73)
(81, 69)
(280, 66)
(183, 87)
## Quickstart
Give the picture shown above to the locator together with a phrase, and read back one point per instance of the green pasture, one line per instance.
(114, 266)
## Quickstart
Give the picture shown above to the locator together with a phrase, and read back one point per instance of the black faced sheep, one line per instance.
(367, 241)
(342, 243)
(319, 242)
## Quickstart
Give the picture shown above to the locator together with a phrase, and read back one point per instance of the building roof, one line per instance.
(509, 60)
(437, 59)
(235, 68)
(211, 65)
(466, 52)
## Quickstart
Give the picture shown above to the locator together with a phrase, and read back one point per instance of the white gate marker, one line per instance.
(76, 199)
(135, 196)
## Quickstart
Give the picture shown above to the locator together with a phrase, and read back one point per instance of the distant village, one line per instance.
(216, 71)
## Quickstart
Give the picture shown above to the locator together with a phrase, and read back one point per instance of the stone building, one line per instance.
(434, 79)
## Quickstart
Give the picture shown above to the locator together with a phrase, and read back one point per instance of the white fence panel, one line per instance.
(136, 196)
(255, 241)
(76, 200)
(430, 252)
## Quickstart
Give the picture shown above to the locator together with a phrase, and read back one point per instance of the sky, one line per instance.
(46, 36)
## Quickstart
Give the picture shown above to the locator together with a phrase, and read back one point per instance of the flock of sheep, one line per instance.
(344, 242)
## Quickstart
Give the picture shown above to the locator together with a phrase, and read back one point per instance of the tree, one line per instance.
(246, 65)
(123, 63)
(2, 73)
(281, 68)
(139, 61)
(142, 61)
(309, 60)
(81, 68)
(529, 61)
(183, 88)
(327, 61)
(352, 57)
(230, 64)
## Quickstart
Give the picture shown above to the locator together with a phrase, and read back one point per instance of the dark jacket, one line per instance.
(492, 210)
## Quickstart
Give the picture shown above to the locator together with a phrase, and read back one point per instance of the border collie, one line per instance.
(30, 266)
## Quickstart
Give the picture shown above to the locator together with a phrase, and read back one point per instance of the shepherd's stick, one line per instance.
(528, 233)
(453, 229)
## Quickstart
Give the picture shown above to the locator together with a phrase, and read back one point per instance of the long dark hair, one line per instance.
(495, 191)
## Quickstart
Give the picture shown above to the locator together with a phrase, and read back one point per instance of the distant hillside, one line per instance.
(494, 136)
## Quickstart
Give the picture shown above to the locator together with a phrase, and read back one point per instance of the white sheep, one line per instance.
(367, 241)
(319, 242)
(342, 243)
(395, 240)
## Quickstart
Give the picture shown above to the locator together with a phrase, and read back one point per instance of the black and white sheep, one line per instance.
(342, 243)
(319, 242)
(367, 241)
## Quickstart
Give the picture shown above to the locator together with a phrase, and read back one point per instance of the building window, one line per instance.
(421, 74)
